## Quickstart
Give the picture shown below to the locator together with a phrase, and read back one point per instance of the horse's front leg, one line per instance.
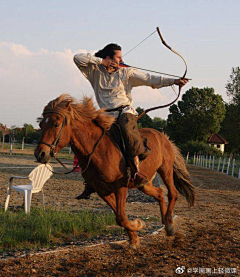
(122, 220)
(111, 201)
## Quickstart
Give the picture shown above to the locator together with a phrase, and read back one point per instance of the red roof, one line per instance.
(216, 138)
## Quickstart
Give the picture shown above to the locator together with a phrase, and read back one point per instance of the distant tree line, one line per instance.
(27, 134)
(230, 127)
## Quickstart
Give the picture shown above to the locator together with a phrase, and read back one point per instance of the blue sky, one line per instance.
(39, 38)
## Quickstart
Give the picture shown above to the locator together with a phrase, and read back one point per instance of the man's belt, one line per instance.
(119, 109)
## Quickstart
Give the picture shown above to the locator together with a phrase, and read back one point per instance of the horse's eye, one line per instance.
(56, 125)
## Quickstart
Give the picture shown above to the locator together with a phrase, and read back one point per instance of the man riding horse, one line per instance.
(112, 85)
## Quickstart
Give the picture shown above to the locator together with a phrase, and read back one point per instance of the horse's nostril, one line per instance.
(42, 154)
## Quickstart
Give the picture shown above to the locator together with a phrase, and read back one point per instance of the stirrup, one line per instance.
(86, 193)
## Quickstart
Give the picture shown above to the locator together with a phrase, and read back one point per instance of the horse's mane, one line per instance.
(83, 111)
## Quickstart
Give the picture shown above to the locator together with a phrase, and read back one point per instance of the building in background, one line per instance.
(217, 141)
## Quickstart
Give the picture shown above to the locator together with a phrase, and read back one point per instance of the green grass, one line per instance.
(49, 228)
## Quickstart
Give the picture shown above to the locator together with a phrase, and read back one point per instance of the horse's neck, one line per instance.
(83, 142)
(84, 137)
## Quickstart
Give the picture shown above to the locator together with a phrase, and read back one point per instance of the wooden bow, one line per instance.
(183, 77)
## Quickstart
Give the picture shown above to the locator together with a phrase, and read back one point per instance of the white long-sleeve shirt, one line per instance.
(114, 90)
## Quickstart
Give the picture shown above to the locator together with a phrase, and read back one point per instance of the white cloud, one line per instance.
(30, 79)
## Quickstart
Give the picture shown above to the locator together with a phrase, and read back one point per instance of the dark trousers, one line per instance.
(134, 142)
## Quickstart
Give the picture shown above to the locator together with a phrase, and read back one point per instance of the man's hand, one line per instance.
(109, 63)
(181, 82)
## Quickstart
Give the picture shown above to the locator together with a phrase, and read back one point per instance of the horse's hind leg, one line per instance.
(157, 193)
(133, 237)
(166, 173)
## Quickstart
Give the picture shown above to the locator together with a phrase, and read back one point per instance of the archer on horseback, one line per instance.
(112, 85)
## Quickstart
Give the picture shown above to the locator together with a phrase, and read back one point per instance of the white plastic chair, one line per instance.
(37, 178)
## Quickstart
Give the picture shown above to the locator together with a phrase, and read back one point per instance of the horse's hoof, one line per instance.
(170, 232)
(134, 246)
(141, 223)
(134, 243)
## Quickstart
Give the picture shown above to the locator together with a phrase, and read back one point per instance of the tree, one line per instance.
(15, 133)
(233, 86)
(3, 132)
(27, 133)
(28, 130)
(159, 124)
(145, 121)
(39, 119)
(230, 128)
(231, 124)
(197, 116)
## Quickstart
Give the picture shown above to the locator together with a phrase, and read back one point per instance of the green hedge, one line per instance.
(193, 147)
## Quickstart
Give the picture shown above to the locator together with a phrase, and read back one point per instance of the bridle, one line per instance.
(54, 145)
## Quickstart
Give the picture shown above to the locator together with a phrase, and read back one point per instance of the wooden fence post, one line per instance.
(228, 165)
(233, 167)
(224, 160)
(213, 160)
(219, 162)
(11, 149)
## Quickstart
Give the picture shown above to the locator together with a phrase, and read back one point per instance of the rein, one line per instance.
(57, 140)
(89, 156)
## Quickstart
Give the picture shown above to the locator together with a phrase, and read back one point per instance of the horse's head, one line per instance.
(59, 115)
(55, 136)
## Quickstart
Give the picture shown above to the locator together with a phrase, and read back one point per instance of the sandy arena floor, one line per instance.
(207, 238)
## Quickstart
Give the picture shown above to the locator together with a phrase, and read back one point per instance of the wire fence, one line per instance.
(227, 165)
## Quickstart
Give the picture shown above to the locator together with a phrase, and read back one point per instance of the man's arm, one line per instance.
(139, 78)
(85, 62)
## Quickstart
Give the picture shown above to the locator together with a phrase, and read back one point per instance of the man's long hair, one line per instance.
(108, 50)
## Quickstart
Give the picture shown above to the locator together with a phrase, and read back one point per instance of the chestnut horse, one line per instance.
(67, 121)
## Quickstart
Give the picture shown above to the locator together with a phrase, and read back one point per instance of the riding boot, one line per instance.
(86, 193)
(138, 178)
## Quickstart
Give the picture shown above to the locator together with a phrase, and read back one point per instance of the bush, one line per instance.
(193, 147)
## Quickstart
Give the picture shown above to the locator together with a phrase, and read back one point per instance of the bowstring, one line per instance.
(173, 88)
(139, 43)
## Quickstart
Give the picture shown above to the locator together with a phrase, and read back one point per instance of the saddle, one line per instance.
(116, 133)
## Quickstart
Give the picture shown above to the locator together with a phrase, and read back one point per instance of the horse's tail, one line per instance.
(181, 177)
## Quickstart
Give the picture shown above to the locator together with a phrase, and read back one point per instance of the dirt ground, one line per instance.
(207, 240)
